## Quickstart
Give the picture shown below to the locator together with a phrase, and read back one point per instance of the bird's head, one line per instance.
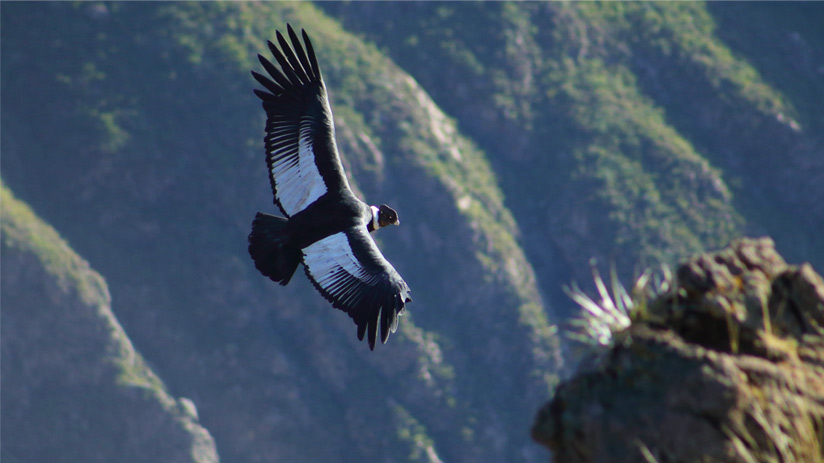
(387, 216)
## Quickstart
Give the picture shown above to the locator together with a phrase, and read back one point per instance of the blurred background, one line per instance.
(518, 141)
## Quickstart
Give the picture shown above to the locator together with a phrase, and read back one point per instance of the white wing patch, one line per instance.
(370, 291)
(332, 265)
(296, 175)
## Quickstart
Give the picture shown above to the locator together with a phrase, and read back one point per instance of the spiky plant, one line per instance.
(601, 320)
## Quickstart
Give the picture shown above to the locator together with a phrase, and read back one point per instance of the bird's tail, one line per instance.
(269, 248)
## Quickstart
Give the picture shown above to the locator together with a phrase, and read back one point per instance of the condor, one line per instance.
(325, 226)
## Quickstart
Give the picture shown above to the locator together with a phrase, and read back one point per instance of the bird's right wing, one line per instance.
(350, 272)
(301, 152)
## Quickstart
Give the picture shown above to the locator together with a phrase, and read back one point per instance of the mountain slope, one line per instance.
(516, 140)
(630, 132)
(74, 388)
(153, 169)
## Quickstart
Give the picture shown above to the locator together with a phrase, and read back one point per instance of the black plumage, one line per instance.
(325, 226)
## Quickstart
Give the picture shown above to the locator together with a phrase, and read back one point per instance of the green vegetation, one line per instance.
(164, 137)
(410, 430)
(616, 117)
(23, 231)
(517, 140)
(61, 332)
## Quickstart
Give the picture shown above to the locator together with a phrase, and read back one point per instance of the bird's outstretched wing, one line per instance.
(350, 272)
(301, 153)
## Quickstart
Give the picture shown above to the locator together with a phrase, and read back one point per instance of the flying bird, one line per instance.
(325, 227)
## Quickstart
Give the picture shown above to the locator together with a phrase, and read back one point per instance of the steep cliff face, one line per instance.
(727, 365)
(153, 169)
(74, 388)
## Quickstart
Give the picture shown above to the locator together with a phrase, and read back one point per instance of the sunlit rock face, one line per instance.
(726, 366)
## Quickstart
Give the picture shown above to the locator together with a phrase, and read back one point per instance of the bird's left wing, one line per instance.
(350, 271)
(301, 152)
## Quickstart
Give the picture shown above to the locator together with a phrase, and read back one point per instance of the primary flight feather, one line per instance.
(326, 228)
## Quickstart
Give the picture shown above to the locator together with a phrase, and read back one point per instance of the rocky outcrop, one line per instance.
(724, 366)
(74, 389)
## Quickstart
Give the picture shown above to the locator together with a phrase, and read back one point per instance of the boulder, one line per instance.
(725, 365)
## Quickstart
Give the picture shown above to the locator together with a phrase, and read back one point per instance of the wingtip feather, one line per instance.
(372, 331)
(385, 318)
(361, 330)
(310, 51)
(301, 55)
(265, 96)
(285, 65)
(268, 83)
(292, 58)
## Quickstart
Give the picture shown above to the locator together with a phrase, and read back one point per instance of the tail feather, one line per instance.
(269, 248)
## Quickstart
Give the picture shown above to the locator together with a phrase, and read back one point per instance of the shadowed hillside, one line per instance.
(516, 141)
(634, 132)
(154, 172)
(74, 389)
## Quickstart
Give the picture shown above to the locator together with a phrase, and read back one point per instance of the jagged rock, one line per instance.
(725, 366)
(74, 388)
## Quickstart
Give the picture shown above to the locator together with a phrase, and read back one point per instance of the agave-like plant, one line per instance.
(599, 321)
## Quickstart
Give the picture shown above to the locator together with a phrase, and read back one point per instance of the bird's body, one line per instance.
(326, 227)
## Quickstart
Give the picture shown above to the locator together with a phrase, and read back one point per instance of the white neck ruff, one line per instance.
(375, 223)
